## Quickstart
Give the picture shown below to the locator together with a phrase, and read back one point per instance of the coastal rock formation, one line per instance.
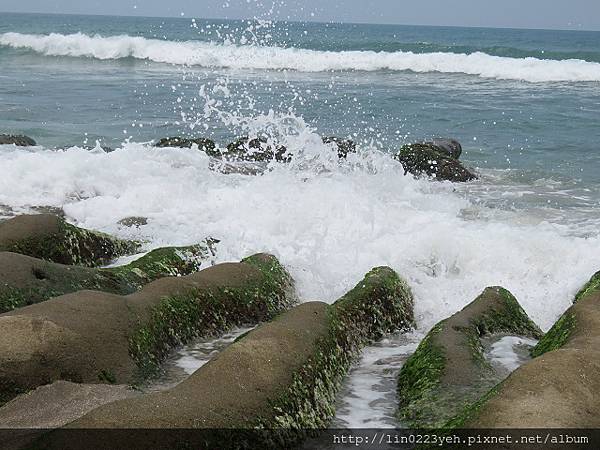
(450, 146)
(25, 280)
(50, 237)
(206, 145)
(18, 140)
(283, 375)
(559, 387)
(343, 146)
(255, 149)
(436, 161)
(448, 373)
(92, 337)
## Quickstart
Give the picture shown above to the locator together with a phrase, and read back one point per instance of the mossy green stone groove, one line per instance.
(557, 336)
(591, 286)
(448, 372)
(209, 311)
(51, 238)
(26, 281)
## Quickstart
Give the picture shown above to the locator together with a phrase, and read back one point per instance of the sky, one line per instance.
(559, 14)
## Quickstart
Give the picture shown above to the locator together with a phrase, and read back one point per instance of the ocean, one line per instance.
(525, 104)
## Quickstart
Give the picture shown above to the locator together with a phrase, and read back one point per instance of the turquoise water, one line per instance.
(524, 103)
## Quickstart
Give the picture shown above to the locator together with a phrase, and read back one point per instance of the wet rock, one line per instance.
(134, 221)
(431, 160)
(255, 149)
(93, 337)
(25, 280)
(50, 237)
(449, 146)
(559, 387)
(448, 372)
(18, 140)
(53, 210)
(206, 145)
(284, 375)
(343, 146)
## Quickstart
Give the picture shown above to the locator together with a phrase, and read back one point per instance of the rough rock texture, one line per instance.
(283, 375)
(448, 372)
(255, 149)
(91, 336)
(428, 159)
(203, 144)
(560, 387)
(133, 221)
(19, 140)
(450, 146)
(343, 146)
(51, 238)
(25, 280)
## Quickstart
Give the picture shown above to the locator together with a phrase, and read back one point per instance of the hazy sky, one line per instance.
(568, 14)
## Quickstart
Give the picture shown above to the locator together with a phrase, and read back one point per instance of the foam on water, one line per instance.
(227, 55)
(329, 223)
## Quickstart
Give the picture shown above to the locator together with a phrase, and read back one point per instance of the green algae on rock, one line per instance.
(448, 372)
(206, 145)
(556, 389)
(590, 287)
(25, 280)
(282, 376)
(50, 237)
(102, 337)
(427, 159)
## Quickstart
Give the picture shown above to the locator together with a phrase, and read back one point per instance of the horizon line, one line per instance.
(303, 21)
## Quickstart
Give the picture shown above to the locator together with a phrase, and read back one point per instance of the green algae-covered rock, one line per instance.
(428, 159)
(343, 146)
(122, 339)
(25, 280)
(282, 376)
(558, 388)
(206, 145)
(448, 372)
(253, 149)
(50, 237)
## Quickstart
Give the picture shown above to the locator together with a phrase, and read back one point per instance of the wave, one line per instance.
(212, 55)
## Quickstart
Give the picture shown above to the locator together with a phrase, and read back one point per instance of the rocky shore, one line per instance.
(80, 336)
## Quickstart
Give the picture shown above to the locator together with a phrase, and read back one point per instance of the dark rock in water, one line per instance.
(256, 149)
(344, 146)
(203, 144)
(427, 159)
(450, 146)
(54, 210)
(133, 221)
(448, 373)
(19, 140)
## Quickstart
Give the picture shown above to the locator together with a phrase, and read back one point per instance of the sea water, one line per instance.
(524, 103)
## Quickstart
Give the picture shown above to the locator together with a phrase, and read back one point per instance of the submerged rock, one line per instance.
(255, 149)
(25, 280)
(206, 145)
(448, 372)
(50, 237)
(18, 140)
(559, 387)
(282, 376)
(431, 160)
(92, 336)
(343, 146)
(134, 221)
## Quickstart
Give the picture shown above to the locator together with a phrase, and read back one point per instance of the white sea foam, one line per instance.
(213, 55)
(328, 223)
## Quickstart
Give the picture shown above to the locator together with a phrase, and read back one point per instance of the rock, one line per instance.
(282, 376)
(134, 221)
(448, 373)
(53, 406)
(206, 145)
(428, 159)
(25, 280)
(559, 387)
(100, 337)
(50, 237)
(449, 146)
(255, 149)
(343, 146)
(18, 140)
